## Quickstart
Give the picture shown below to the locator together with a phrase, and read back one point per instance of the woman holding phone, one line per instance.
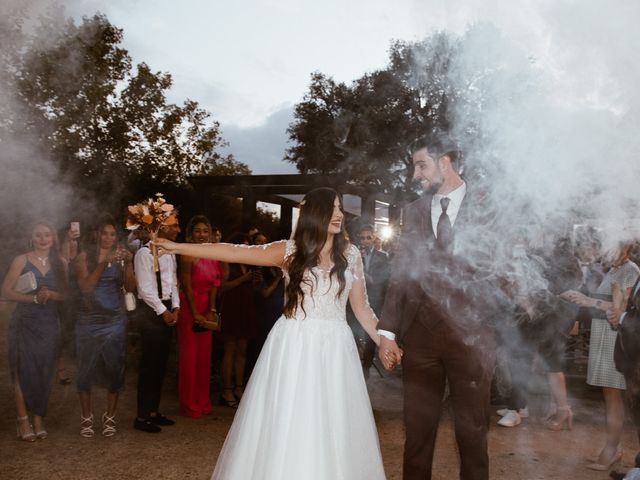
(104, 271)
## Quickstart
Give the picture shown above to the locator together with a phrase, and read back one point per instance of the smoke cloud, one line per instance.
(553, 90)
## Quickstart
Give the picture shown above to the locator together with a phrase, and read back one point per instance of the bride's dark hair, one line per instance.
(310, 236)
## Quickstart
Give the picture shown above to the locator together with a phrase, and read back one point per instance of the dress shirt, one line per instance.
(366, 257)
(456, 197)
(147, 282)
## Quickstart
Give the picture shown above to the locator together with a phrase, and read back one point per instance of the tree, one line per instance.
(363, 131)
(107, 126)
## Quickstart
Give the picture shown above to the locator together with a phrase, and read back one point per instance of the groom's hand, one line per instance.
(389, 353)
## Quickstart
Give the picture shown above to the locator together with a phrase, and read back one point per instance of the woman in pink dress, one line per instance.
(199, 282)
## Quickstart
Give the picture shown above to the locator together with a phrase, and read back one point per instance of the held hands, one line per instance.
(213, 319)
(43, 295)
(613, 317)
(200, 319)
(389, 353)
(170, 318)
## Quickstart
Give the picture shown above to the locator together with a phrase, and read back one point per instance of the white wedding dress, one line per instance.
(306, 414)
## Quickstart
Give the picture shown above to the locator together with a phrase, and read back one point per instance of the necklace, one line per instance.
(43, 260)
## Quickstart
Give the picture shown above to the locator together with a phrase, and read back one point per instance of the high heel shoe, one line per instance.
(108, 425)
(27, 436)
(86, 426)
(603, 467)
(563, 415)
(228, 403)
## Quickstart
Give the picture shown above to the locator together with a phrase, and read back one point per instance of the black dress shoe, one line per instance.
(146, 425)
(160, 419)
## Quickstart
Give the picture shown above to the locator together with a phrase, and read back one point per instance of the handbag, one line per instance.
(26, 283)
(216, 326)
(130, 302)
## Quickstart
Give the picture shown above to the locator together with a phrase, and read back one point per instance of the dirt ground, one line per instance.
(189, 449)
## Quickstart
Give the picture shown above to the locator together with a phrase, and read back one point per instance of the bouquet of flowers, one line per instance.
(150, 215)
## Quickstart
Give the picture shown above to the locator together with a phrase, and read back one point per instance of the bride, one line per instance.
(305, 413)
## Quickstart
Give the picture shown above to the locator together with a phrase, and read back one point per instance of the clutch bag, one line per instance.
(26, 283)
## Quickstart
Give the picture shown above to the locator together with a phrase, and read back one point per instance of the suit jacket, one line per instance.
(377, 278)
(432, 286)
(627, 349)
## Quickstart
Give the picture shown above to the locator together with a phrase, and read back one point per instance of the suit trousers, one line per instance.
(155, 341)
(464, 359)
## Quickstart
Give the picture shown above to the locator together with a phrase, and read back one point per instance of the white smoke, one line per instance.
(560, 109)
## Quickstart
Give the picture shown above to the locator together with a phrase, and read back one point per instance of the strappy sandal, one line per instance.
(108, 425)
(27, 436)
(86, 426)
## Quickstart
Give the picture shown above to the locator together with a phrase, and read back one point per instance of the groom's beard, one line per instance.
(431, 187)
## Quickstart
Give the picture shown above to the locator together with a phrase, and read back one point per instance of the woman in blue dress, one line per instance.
(102, 270)
(34, 330)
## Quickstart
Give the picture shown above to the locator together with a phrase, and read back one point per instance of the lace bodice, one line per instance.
(321, 300)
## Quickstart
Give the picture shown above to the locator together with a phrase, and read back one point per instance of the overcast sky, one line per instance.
(248, 62)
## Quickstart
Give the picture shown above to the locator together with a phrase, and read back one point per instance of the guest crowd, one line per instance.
(82, 296)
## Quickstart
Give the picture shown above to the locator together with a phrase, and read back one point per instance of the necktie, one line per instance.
(444, 230)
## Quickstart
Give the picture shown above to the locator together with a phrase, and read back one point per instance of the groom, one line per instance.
(438, 305)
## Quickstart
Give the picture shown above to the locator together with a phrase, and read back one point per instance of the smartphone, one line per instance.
(75, 227)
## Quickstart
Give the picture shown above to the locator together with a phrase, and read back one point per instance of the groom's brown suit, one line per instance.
(440, 306)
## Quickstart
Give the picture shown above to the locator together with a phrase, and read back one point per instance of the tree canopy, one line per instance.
(104, 124)
(363, 130)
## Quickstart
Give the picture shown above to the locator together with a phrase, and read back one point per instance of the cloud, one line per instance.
(262, 147)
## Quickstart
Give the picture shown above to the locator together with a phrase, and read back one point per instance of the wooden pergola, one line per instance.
(270, 188)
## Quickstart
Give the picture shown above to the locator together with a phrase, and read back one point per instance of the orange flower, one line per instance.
(170, 220)
(148, 219)
(131, 224)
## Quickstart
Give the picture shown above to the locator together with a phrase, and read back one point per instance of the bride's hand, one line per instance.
(165, 246)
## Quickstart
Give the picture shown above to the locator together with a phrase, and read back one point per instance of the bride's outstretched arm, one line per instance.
(360, 302)
(271, 254)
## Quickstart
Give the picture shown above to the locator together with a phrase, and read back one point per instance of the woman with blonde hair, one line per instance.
(612, 294)
(34, 330)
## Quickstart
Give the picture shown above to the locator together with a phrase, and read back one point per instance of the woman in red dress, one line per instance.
(199, 282)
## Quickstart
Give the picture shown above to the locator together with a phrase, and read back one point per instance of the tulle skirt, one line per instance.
(306, 412)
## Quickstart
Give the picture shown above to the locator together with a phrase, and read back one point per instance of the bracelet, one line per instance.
(35, 300)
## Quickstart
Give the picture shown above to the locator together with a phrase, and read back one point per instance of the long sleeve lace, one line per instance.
(358, 296)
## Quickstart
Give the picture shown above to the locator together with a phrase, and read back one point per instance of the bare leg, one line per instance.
(85, 403)
(614, 405)
(21, 409)
(230, 347)
(38, 423)
(112, 403)
(558, 388)
(563, 414)
(240, 362)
